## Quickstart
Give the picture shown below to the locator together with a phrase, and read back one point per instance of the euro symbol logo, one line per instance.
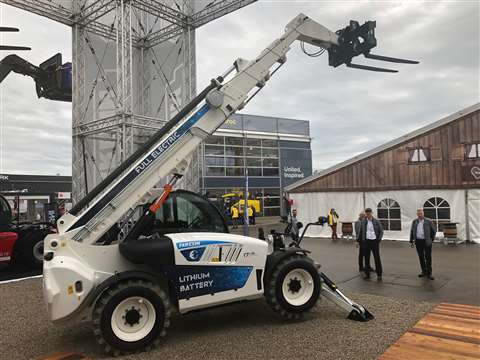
(193, 254)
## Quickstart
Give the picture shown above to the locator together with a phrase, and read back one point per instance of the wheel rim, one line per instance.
(38, 251)
(298, 287)
(133, 319)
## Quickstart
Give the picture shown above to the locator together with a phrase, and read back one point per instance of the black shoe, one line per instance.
(422, 275)
(366, 276)
(430, 277)
(379, 277)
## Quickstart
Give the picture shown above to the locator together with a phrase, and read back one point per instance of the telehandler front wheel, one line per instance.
(294, 287)
(131, 316)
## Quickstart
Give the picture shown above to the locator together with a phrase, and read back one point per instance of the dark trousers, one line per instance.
(334, 231)
(362, 264)
(372, 246)
(424, 255)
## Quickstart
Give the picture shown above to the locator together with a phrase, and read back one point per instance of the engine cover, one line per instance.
(215, 268)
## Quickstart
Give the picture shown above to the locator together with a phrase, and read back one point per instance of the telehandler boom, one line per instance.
(178, 253)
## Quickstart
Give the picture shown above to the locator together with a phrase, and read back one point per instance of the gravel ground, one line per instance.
(245, 331)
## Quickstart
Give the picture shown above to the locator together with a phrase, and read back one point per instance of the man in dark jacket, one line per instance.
(370, 235)
(423, 233)
(361, 255)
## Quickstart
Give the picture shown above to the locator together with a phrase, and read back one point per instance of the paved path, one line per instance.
(456, 270)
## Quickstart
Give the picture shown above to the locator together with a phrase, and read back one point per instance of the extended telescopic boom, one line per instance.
(129, 185)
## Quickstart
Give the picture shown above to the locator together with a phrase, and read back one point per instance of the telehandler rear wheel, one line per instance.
(131, 316)
(294, 287)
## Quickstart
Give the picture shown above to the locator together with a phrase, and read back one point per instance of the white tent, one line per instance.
(349, 204)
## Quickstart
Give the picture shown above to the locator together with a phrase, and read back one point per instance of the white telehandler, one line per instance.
(129, 253)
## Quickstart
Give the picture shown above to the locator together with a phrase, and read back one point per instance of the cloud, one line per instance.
(350, 111)
(35, 134)
(345, 106)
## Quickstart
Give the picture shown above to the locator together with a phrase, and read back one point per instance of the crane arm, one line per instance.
(16, 64)
(130, 184)
(52, 79)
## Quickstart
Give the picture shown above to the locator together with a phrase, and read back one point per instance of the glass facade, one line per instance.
(255, 145)
(232, 156)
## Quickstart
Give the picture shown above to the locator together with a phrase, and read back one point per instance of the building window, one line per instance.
(254, 151)
(234, 161)
(472, 151)
(214, 150)
(270, 171)
(254, 142)
(270, 153)
(214, 161)
(269, 143)
(234, 151)
(438, 210)
(215, 171)
(418, 155)
(215, 140)
(237, 141)
(235, 171)
(228, 156)
(256, 162)
(254, 171)
(388, 212)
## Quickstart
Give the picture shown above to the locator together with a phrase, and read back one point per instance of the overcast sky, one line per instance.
(350, 111)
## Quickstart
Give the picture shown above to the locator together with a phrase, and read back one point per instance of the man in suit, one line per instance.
(422, 234)
(370, 235)
(361, 255)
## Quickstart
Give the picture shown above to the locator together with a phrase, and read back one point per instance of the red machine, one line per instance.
(7, 240)
(22, 241)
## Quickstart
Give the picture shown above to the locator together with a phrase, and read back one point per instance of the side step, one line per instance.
(355, 311)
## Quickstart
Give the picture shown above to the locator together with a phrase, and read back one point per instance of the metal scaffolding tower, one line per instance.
(133, 69)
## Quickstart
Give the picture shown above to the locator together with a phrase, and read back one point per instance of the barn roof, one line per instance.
(402, 139)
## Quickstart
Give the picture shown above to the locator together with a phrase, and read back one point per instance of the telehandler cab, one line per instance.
(127, 266)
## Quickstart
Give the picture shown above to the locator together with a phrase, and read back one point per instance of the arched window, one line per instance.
(388, 212)
(438, 210)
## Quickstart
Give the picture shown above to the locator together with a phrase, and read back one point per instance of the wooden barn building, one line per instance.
(436, 168)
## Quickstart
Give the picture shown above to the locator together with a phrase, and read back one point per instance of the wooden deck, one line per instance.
(448, 332)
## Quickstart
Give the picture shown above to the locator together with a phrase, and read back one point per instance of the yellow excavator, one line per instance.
(235, 199)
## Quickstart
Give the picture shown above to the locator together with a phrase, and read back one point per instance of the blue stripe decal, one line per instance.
(139, 169)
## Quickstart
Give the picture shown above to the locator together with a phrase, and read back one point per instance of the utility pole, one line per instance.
(245, 191)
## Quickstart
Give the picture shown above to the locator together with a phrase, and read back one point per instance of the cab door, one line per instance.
(185, 211)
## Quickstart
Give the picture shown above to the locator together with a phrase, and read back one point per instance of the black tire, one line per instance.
(31, 249)
(274, 292)
(122, 293)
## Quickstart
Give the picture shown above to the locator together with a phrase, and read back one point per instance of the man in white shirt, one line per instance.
(370, 235)
(422, 234)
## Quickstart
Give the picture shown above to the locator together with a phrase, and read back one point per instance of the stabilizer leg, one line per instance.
(330, 291)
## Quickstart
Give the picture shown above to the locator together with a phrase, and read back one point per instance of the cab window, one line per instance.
(5, 212)
(184, 211)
